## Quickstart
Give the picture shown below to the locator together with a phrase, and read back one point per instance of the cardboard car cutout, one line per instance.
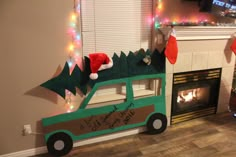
(90, 121)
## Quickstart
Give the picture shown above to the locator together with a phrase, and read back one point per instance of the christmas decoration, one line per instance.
(74, 49)
(64, 81)
(147, 59)
(133, 112)
(161, 21)
(61, 82)
(123, 66)
(98, 62)
(171, 50)
(100, 120)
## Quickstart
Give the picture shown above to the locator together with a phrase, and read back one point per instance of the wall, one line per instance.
(33, 44)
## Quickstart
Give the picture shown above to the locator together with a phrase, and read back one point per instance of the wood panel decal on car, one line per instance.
(110, 120)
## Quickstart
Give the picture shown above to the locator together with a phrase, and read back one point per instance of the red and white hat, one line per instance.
(99, 61)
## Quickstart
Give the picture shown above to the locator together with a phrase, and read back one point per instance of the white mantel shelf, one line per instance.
(201, 32)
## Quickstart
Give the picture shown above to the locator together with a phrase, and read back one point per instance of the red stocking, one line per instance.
(171, 50)
(233, 46)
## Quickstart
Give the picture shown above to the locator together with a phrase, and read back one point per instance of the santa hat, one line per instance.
(99, 61)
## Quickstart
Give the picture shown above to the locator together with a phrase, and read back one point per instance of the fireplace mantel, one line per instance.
(201, 32)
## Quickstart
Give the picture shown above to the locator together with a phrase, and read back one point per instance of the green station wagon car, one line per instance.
(135, 108)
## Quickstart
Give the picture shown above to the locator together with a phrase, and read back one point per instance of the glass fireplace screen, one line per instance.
(195, 94)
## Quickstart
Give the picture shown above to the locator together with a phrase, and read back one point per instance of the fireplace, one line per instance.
(195, 94)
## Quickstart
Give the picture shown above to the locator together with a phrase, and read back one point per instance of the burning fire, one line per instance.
(187, 96)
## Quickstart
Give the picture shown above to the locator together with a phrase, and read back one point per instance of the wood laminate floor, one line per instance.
(211, 136)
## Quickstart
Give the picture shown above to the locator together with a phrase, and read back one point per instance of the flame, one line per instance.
(187, 97)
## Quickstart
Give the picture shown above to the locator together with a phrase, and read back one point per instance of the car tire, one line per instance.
(156, 124)
(59, 144)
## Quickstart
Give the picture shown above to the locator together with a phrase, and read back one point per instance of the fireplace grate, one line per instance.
(192, 115)
(197, 76)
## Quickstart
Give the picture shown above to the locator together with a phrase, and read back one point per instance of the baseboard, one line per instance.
(43, 150)
(109, 137)
(28, 152)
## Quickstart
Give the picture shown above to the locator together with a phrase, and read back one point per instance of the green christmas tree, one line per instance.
(123, 66)
(78, 80)
(61, 82)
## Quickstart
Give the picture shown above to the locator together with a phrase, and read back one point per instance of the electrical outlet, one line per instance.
(27, 129)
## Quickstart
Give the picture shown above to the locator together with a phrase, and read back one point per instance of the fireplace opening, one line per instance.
(195, 94)
(194, 98)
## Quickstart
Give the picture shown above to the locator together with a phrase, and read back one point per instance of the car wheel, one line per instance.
(59, 144)
(157, 123)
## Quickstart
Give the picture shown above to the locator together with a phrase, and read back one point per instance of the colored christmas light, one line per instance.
(72, 24)
(74, 47)
(71, 32)
(73, 17)
(78, 8)
(78, 37)
(71, 107)
(71, 47)
(177, 21)
(70, 63)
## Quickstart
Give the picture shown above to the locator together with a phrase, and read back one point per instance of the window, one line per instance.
(116, 25)
(146, 88)
(107, 95)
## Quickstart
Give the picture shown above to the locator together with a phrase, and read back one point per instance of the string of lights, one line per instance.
(161, 21)
(74, 47)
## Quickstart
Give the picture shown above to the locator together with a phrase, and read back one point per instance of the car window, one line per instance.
(108, 95)
(146, 88)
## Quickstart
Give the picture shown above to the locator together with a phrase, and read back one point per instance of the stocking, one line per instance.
(171, 50)
(233, 46)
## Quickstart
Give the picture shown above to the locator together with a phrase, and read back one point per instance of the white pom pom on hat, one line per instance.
(93, 76)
